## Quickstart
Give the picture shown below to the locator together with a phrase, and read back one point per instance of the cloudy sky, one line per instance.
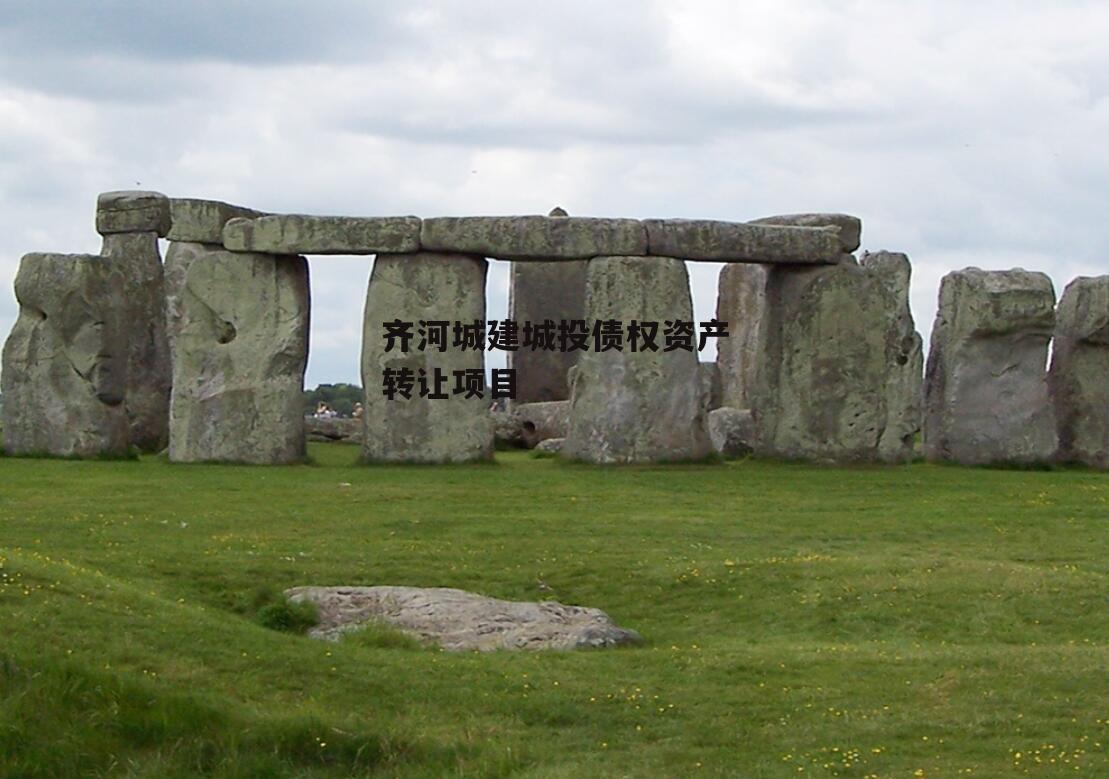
(962, 133)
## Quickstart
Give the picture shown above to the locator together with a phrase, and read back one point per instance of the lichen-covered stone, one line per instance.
(65, 362)
(537, 292)
(986, 397)
(1079, 376)
(334, 429)
(456, 620)
(707, 239)
(826, 358)
(550, 445)
(240, 346)
(132, 212)
(542, 238)
(300, 234)
(414, 287)
(850, 227)
(643, 406)
(712, 386)
(202, 221)
(149, 373)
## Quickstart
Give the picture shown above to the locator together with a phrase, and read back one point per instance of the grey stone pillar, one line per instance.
(540, 291)
(643, 406)
(826, 358)
(239, 325)
(131, 223)
(413, 287)
(986, 397)
(65, 362)
(1079, 376)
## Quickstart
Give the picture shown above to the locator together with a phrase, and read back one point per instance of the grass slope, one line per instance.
(918, 621)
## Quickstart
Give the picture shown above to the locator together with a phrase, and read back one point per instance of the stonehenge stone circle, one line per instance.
(539, 291)
(65, 362)
(298, 234)
(149, 373)
(707, 239)
(202, 221)
(1079, 375)
(132, 212)
(459, 621)
(825, 358)
(240, 346)
(986, 397)
(414, 287)
(821, 360)
(542, 238)
(643, 406)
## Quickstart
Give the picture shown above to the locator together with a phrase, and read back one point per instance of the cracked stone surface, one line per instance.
(458, 620)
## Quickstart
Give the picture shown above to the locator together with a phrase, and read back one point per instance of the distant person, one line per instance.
(356, 412)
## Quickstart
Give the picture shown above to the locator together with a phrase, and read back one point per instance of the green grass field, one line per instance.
(915, 621)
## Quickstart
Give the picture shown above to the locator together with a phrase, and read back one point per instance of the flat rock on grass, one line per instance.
(458, 620)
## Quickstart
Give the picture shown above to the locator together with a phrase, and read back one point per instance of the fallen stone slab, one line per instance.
(202, 221)
(132, 212)
(986, 395)
(458, 621)
(550, 445)
(64, 374)
(850, 227)
(299, 234)
(1079, 375)
(334, 429)
(535, 238)
(711, 240)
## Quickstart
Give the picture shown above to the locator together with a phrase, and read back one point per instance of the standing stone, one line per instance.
(827, 359)
(742, 303)
(905, 380)
(240, 348)
(65, 362)
(986, 398)
(641, 406)
(410, 288)
(149, 374)
(1079, 376)
(540, 291)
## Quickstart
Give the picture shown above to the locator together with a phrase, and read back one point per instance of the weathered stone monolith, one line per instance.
(415, 429)
(149, 374)
(638, 406)
(65, 362)
(538, 292)
(986, 398)
(826, 358)
(1079, 376)
(240, 346)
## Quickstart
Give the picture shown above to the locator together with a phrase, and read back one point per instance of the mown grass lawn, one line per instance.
(915, 621)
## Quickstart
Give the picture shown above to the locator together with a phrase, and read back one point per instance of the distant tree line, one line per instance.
(341, 397)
